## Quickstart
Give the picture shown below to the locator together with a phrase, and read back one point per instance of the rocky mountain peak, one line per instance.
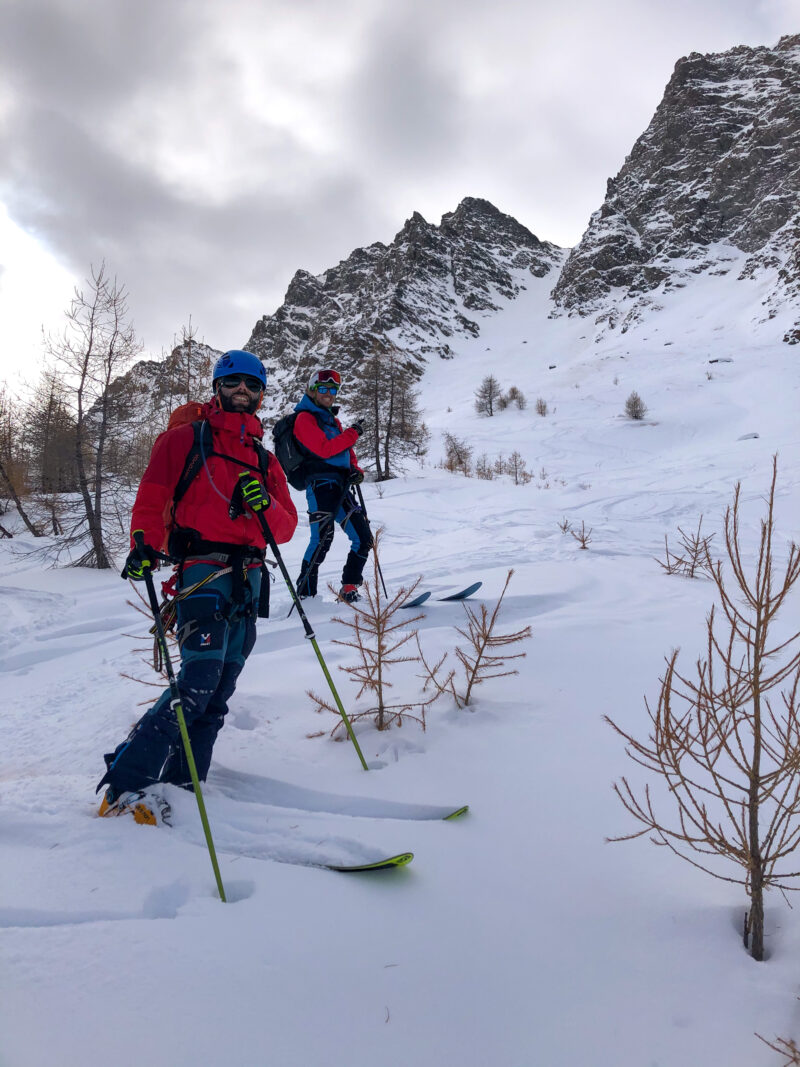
(429, 284)
(716, 174)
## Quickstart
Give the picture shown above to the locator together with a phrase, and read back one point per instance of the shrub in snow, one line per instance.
(481, 658)
(376, 637)
(516, 396)
(723, 743)
(458, 455)
(541, 406)
(583, 536)
(635, 407)
(484, 468)
(487, 395)
(695, 558)
(515, 466)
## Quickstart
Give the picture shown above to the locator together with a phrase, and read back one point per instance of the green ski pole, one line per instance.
(311, 636)
(175, 704)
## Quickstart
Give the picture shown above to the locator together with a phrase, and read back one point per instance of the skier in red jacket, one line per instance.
(184, 506)
(330, 469)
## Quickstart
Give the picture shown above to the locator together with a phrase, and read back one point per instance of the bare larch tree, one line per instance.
(725, 740)
(97, 345)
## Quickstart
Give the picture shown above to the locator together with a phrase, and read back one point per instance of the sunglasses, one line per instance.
(332, 389)
(233, 381)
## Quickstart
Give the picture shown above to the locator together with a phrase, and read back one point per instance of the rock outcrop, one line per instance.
(713, 184)
(430, 284)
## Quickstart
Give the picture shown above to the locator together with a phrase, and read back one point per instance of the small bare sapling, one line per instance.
(481, 658)
(583, 536)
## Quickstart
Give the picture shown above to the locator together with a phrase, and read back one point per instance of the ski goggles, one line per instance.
(233, 381)
(332, 389)
(332, 377)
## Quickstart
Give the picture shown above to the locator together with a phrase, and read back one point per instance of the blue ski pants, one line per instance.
(326, 506)
(216, 634)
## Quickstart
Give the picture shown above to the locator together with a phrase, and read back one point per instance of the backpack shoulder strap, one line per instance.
(263, 458)
(202, 443)
(201, 448)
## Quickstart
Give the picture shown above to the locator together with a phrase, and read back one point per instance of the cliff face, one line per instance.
(430, 284)
(713, 184)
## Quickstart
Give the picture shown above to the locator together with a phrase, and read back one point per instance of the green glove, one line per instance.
(255, 495)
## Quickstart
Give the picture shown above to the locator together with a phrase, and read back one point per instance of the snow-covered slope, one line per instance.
(517, 937)
(426, 290)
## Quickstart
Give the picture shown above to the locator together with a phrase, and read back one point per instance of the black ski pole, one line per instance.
(273, 547)
(366, 519)
(177, 707)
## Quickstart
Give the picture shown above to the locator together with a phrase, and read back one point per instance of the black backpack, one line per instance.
(289, 453)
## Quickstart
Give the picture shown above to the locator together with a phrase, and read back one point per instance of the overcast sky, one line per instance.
(207, 149)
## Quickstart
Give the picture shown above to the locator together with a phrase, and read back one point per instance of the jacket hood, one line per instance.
(307, 404)
(235, 422)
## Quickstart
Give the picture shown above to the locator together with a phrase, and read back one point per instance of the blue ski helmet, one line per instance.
(239, 362)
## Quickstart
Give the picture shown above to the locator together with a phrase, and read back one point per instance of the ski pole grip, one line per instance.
(138, 540)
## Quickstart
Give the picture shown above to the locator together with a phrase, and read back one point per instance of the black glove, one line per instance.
(139, 558)
(358, 426)
(255, 495)
(356, 477)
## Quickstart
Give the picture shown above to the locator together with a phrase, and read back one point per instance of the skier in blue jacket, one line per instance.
(330, 469)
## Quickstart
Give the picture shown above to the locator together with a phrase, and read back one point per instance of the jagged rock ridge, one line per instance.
(716, 174)
(429, 284)
(143, 398)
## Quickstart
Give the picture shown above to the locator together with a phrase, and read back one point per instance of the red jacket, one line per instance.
(204, 506)
(311, 435)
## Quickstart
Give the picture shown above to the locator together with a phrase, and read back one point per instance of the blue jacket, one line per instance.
(320, 433)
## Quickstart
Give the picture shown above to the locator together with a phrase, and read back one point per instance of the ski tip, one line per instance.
(457, 813)
(418, 600)
(401, 860)
(464, 593)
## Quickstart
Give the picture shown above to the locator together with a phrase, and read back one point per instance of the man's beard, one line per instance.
(226, 403)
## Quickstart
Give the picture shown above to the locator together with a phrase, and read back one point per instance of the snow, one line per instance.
(518, 936)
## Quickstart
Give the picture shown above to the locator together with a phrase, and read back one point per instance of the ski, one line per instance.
(310, 854)
(456, 814)
(462, 594)
(239, 785)
(401, 860)
(415, 603)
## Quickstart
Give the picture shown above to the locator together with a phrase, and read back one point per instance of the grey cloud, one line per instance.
(89, 55)
(421, 104)
(405, 106)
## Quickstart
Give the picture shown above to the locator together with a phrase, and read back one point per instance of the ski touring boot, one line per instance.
(146, 807)
(349, 594)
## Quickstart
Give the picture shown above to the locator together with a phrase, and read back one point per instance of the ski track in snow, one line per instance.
(517, 937)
